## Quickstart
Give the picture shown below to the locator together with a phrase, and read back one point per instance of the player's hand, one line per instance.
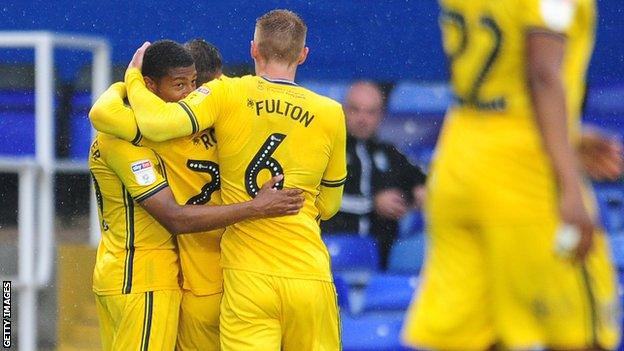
(137, 59)
(391, 204)
(271, 202)
(573, 212)
(600, 155)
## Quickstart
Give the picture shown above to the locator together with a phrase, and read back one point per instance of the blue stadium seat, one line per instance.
(80, 140)
(617, 250)
(80, 133)
(17, 101)
(368, 333)
(351, 251)
(354, 257)
(81, 102)
(419, 98)
(334, 90)
(606, 100)
(18, 134)
(409, 132)
(389, 293)
(407, 255)
(342, 290)
(411, 224)
(421, 156)
(610, 199)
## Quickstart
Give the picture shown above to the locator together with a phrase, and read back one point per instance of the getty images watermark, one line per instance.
(6, 314)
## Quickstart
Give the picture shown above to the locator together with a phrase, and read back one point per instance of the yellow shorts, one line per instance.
(141, 321)
(264, 312)
(199, 322)
(497, 283)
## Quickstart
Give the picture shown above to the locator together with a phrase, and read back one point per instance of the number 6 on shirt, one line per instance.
(263, 160)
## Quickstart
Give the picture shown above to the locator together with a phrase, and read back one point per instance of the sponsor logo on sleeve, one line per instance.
(143, 172)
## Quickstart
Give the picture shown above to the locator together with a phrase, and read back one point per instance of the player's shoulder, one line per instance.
(327, 108)
(553, 15)
(227, 80)
(112, 146)
(322, 100)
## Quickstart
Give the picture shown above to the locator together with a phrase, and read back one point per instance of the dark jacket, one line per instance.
(372, 166)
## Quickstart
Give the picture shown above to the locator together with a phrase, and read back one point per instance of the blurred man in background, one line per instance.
(382, 185)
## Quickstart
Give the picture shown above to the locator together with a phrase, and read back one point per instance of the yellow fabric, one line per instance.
(491, 272)
(491, 141)
(142, 321)
(263, 312)
(190, 165)
(503, 283)
(110, 115)
(303, 135)
(199, 322)
(136, 253)
(193, 175)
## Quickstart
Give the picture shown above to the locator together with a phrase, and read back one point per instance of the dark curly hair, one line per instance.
(208, 61)
(164, 55)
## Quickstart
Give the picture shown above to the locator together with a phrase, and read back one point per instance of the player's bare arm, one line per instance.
(545, 53)
(178, 219)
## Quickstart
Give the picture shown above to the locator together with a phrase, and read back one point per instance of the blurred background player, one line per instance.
(208, 60)
(278, 290)
(382, 185)
(169, 72)
(497, 270)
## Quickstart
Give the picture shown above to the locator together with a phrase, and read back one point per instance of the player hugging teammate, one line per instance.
(166, 162)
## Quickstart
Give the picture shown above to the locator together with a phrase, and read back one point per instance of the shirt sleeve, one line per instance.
(138, 168)
(336, 172)
(549, 15)
(159, 120)
(110, 115)
(332, 184)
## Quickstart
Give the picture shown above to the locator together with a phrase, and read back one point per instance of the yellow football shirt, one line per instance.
(490, 162)
(264, 128)
(191, 169)
(136, 254)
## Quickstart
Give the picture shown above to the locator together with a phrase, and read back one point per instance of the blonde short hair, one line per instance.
(280, 36)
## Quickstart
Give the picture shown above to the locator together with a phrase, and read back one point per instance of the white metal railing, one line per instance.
(36, 174)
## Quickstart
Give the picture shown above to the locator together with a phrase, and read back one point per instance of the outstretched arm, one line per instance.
(110, 115)
(159, 120)
(179, 219)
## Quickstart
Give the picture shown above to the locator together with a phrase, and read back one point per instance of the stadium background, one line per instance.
(396, 43)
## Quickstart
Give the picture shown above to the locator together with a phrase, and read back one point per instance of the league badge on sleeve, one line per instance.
(143, 172)
(198, 95)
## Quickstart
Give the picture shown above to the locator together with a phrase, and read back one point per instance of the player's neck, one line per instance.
(277, 71)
